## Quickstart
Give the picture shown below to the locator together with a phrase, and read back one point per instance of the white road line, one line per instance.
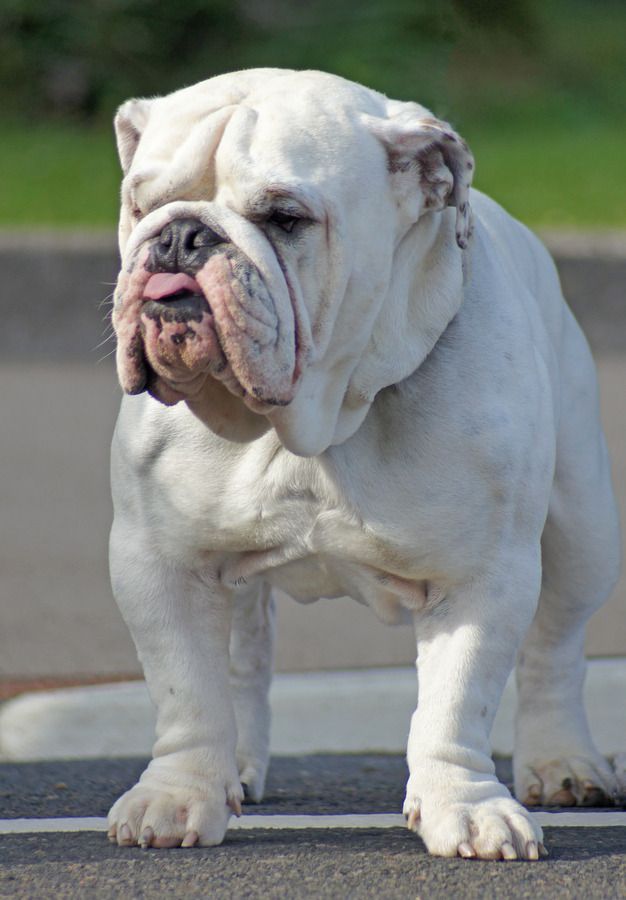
(379, 820)
(36, 826)
(549, 820)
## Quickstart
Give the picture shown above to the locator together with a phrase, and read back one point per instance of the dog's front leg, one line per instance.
(180, 622)
(466, 649)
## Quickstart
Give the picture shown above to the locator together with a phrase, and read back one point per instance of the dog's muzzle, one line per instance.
(184, 245)
(181, 250)
(194, 305)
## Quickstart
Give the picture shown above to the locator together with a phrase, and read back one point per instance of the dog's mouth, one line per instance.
(174, 298)
(176, 329)
(179, 338)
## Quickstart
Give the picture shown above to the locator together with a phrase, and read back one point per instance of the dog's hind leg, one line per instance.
(556, 762)
(251, 658)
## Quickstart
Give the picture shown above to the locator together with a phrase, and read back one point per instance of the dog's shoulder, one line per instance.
(505, 247)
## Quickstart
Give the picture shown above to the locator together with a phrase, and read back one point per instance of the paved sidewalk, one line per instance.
(57, 615)
(584, 862)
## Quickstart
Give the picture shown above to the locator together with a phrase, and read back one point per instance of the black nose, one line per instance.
(184, 246)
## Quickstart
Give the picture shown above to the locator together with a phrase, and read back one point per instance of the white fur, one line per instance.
(443, 437)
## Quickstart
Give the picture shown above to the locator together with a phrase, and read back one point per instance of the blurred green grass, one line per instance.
(537, 87)
(58, 175)
(66, 176)
(555, 178)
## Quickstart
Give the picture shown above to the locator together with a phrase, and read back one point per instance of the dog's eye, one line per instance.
(136, 213)
(285, 221)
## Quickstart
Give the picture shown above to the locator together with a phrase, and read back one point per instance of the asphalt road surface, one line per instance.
(584, 862)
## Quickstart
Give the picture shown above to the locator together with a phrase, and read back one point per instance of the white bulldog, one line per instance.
(348, 383)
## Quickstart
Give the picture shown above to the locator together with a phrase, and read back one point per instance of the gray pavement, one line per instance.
(311, 785)
(584, 864)
(58, 407)
(57, 614)
(317, 784)
(389, 863)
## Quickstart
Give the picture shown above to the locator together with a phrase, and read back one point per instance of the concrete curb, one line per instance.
(572, 244)
(63, 280)
(318, 712)
(601, 243)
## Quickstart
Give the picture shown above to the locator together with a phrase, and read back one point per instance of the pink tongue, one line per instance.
(164, 284)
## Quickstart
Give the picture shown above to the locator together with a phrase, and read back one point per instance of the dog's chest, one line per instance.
(291, 522)
(327, 552)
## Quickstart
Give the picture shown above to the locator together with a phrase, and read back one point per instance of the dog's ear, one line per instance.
(426, 153)
(129, 122)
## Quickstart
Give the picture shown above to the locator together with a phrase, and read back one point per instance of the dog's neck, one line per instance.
(227, 415)
(423, 296)
(425, 293)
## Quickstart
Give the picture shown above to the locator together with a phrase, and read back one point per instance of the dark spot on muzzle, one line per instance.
(184, 245)
(135, 352)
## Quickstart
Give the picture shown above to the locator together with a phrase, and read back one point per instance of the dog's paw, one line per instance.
(495, 827)
(572, 780)
(252, 774)
(619, 764)
(162, 816)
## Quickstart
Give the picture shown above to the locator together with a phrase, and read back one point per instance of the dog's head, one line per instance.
(286, 250)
